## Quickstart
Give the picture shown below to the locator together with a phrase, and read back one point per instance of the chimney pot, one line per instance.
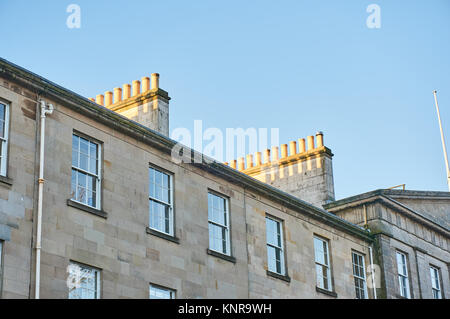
(136, 87)
(310, 143)
(108, 98)
(249, 160)
(126, 91)
(155, 81)
(145, 84)
(241, 164)
(258, 159)
(301, 145)
(100, 99)
(233, 164)
(293, 147)
(275, 155)
(266, 156)
(319, 138)
(117, 95)
(284, 151)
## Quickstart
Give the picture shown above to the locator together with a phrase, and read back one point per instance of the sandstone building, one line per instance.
(114, 210)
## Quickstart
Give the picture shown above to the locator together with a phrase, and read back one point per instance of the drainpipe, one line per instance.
(372, 274)
(45, 109)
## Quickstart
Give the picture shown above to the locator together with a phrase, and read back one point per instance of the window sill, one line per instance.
(401, 297)
(162, 235)
(326, 292)
(278, 276)
(220, 255)
(6, 180)
(86, 208)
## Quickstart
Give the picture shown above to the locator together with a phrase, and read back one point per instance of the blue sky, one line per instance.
(302, 66)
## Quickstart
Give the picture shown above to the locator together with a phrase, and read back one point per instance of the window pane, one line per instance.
(319, 253)
(2, 119)
(217, 238)
(272, 234)
(83, 282)
(217, 209)
(271, 260)
(400, 264)
(73, 182)
(93, 159)
(159, 216)
(84, 154)
(161, 293)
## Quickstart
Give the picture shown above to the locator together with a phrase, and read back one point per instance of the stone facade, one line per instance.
(414, 223)
(115, 238)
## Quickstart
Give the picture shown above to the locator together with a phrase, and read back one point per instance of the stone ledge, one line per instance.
(86, 208)
(162, 235)
(326, 292)
(220, 255)
(278, 276)
(6, 180)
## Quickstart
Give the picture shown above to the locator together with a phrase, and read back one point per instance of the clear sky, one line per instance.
(302, 66)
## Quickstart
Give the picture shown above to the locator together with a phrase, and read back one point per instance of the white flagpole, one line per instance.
(442, 138)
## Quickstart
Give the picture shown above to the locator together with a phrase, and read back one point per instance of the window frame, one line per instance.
(281, 247)
(357, 277)
(170, 205)
(98, 282)
(227, 227)
(436, 281)
(401, 276)
(5, 141)
(328, 266)
(98, 177)
(173, 292)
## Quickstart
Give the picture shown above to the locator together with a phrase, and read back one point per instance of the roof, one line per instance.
(142, 133)
(396, 200)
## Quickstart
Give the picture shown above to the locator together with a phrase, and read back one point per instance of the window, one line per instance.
(403, 275)
(359, 275)
(323, 273)
(435, 283)
(83, 282)
(161, 198)
(158, 292)
(4, 123)
(275, 250)
(86, 167)
(218, 224)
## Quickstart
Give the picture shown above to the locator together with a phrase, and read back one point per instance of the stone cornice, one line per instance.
(140, 99)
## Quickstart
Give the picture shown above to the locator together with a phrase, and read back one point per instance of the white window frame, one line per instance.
(320, 281)
(85, 268)
(403, 277)
(172, 292)
(361, 276)
(435, 282)
(98, 176)
(282, 271)
(223, 226)
(159, 201)
(4, 141)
